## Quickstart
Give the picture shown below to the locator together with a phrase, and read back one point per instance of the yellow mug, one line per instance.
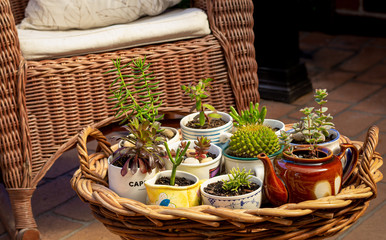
(173, 196)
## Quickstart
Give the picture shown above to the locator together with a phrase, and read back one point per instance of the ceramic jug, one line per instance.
(293, 179)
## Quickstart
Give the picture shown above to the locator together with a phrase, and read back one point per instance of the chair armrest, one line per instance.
(232, 23)
(15, 145)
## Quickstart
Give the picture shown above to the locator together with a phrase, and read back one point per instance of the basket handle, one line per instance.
(368, 151)
(86, 160)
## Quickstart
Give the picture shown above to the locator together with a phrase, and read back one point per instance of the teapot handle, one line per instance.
(353, 161)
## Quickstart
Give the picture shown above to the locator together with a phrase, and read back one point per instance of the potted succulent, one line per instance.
(173, 188)
(315, 128)
(308, 171)
(139, 153)
(201, 159)
(246, 143)
(239, 189)
(206, 121)
(139, 97)
(129, 167)
(254, 116)
(251, 116)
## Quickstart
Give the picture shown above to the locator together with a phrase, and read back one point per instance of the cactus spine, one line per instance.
(251, 140)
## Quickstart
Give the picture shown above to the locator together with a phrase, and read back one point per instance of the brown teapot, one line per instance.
(301, 179)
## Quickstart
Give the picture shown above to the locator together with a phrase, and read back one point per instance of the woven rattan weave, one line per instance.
(314, 219)
(44, 104)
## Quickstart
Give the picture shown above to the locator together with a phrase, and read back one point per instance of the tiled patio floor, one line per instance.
(352, 68)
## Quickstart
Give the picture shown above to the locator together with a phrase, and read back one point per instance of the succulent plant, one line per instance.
(248, 116)
(251, 140)
(197, 93)
(176, 159)
(202, 147)
(145, 154)
(237, 178)
(313, 126)
(136, 95)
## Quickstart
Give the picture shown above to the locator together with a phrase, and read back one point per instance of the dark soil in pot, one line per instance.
(119, 162)
(217, 190)
(307, 154)
(274, 128)
(212, 155)
(180, 181)
(213, 123)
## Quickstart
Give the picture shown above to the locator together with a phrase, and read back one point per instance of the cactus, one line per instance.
(251, 140)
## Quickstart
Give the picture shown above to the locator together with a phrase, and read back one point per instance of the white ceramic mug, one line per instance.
(253, 164)
(247, 201)
(213, 133)
(201, 170)
(131, 185)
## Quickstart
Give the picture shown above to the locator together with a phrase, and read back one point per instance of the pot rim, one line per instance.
(224, 176)
(183, 126)
(113, 166)
(168, 173)
(305, 147)
(337, 137)
(201, 164)
(250, 159)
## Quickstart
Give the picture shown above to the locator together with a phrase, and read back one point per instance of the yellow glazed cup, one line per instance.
(173, 196)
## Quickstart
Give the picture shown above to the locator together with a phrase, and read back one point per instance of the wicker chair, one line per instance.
(45, 103)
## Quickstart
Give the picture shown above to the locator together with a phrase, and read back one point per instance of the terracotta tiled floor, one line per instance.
(352, 68)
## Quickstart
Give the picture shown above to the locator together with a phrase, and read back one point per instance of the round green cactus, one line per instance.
(251, 140)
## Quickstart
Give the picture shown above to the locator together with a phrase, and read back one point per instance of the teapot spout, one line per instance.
(275, 190)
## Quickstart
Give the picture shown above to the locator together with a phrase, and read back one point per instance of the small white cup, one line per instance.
(253, 164)
(129, 186)
(201, 170)
(247, 201)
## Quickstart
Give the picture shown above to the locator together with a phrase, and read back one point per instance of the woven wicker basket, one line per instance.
(306, 220)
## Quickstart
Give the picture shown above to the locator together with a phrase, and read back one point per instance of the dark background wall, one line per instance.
(282, 77)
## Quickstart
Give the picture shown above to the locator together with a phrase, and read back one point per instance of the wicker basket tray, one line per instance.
(314, 219)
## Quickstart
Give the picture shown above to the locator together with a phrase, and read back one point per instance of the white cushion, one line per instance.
(172, 25)
(85, 14)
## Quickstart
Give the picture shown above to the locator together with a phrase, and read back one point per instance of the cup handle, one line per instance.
(225, 137)
(352, 163)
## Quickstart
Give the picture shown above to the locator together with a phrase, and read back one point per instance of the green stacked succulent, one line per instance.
(251, 140)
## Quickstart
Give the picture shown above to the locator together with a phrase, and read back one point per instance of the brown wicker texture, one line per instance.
(314, 219)
(44, 104)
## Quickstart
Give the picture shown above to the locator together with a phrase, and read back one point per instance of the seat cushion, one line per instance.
(174, 24)
(85, 14)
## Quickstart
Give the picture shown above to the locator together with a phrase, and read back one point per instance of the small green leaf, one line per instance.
(214, 115)
(202, 118)
(208, 106)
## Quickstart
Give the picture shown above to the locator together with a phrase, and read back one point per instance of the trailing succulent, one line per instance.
(251, 140)
(145, 154)
(138, 97)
